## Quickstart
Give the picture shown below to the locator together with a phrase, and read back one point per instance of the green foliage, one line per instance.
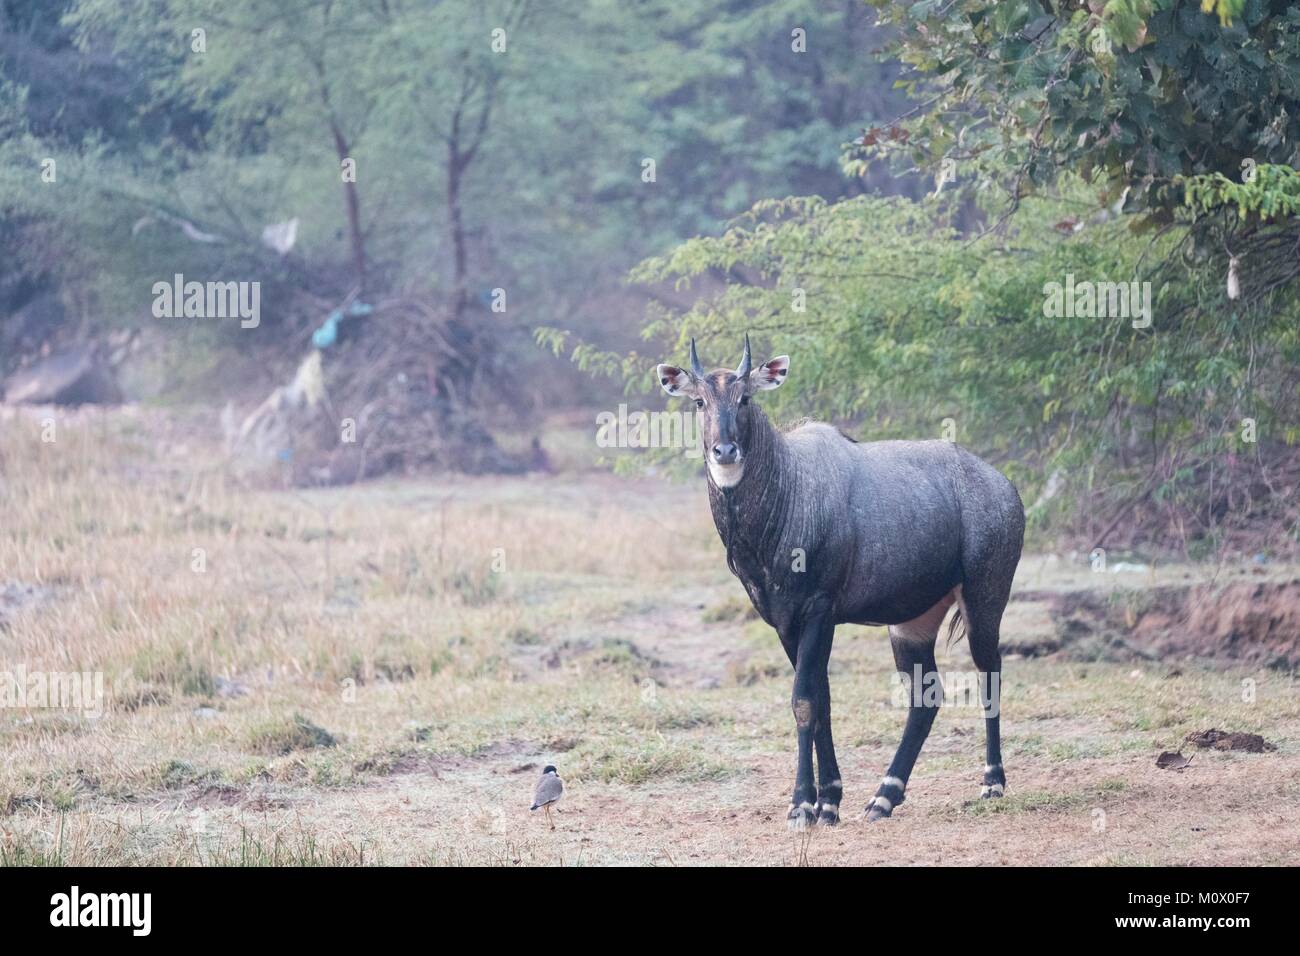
(1267, 192)
(907, 325)
(593, 360)
(1133, 92)
(1054, 119)
(1226, 9)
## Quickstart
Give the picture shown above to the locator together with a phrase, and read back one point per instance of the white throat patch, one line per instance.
(726, 476)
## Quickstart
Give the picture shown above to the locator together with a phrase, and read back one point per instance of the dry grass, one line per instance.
(377, 673)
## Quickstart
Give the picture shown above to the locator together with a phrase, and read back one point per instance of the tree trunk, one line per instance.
(456, 226)
(352, 202)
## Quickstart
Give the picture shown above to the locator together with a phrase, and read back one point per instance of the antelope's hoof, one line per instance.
(801, 817)
(878, 809)
(828, 814)
(995, 782)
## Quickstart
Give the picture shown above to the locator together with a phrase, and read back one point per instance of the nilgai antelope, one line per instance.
(822, 530)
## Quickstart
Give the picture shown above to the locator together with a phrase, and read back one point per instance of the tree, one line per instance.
(1130, 93)
(282, 82)
(1108, 143)
(483, 161)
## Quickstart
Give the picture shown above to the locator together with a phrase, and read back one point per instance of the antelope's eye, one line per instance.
(744, 399)
(699, 403)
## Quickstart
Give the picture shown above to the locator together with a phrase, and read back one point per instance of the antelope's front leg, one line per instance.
(803, 803)
(830, 790)
(809, 679)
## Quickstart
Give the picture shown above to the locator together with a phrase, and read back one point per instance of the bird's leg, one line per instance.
(548, 816)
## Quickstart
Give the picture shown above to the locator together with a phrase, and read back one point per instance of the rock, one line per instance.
(70, 376)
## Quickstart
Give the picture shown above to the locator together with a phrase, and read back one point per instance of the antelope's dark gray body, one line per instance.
(822, 530)
(883, 525)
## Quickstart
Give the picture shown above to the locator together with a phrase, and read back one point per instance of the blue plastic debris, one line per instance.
(328, 333)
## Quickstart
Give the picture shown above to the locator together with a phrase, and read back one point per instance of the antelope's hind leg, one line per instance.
(990, 553)
(913, 644)
(983, 621)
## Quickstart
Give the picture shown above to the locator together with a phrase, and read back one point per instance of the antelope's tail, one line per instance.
(956, 625)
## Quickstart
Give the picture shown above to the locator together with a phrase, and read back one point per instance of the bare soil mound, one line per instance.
(1246, 622)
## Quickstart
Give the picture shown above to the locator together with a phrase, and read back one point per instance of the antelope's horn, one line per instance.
(743, 370)
(696, 368)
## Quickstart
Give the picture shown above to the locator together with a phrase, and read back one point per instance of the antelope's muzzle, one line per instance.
(726, 453)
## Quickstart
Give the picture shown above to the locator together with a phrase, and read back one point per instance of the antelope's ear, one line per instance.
(771, 373)
(675, 381)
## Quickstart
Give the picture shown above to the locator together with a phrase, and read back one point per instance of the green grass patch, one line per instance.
(638, 766)
(286, 734)
(1043, 800)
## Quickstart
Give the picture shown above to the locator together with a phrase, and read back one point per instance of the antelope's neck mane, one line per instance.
(754, 514)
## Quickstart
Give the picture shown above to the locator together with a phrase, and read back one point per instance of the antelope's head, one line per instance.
(722, 399)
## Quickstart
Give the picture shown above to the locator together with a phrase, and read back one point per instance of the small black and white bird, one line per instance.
(548, 791)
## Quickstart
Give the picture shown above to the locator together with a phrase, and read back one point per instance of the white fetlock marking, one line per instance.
(996, 790)
(807, 806)
(836, 783)
(990, 767)
(883, 803)
(892, 782)
(830, 808)
(801, 820)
